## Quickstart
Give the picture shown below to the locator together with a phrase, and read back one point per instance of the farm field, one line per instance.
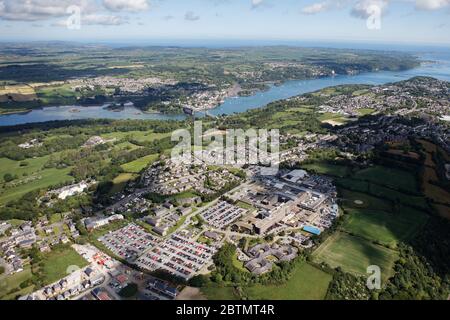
(385, 227)
(42, 179)
(12, 283)
(440, 196)
(15, 168)
(354, 254)
(327, 168)
(141, 136)
(365, 111)
(137, 165)
(59, 94)
(397, 196)
(394, 178)
(120, 182)
(306, 283)
(56, 262)
(219, 293)
(350, 199)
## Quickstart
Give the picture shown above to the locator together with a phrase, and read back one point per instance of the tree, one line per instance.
(8, 177)
(199, 281)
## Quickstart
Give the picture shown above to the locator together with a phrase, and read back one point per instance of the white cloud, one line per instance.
(95, 19)
(257, 3)
(36, 10)
(105, 20)
(191, 16)
(33, 10)
(365, 8)
(325, 5)
(126, 5)
(315, 8)
(432, 4)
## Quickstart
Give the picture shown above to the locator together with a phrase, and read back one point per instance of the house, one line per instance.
(162, 230)
(122, 279)
(88, 272)
(159, 212)
(168, 205)
(4, 226)
(211, 235)
(44, 247)
(64, 239)
(185, 211)
(97, 280)
(101, 294)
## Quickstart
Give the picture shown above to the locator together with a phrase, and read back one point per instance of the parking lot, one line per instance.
(129, 242)
(222, 214)
(178, 256)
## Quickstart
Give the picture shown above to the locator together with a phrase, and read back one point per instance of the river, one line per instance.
(440, 69)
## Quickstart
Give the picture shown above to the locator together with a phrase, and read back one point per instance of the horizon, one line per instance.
(242, 43)
(374, 21)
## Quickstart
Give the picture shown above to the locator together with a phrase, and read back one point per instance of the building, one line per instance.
(312, 230)
(94, 223)
(271, 218)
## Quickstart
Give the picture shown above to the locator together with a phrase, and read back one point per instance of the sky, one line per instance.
(382, 21)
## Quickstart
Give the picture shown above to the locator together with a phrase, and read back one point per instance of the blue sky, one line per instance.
(398, 21)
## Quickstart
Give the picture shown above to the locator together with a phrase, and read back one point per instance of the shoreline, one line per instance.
(232, 94)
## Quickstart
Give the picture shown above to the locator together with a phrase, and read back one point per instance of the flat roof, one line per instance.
(312, 230)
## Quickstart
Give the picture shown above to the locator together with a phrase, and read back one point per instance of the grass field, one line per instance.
(239, 264)
(140, 136)
(306, 283)
(349, 197)
(219, 293)
(12, 282)
(430, 179)
(397, 196)
(13, 167)
(365, 111)
(327, 168)
(385, 227)
(354, 254)
(394, 178)
(57, 94)
(121, 181)
(56, 262)
(137, 165)
(40, 180)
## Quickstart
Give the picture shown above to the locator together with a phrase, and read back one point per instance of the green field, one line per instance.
(397, 196)
(327, 168)
(137, 165)
(352, 184)
(385, 227)
(219, 293)
(348, 199)
(365, 111)
(239, 264)
(12, 282)
(44, 179)
(141, 136)
(306, 283)
(121, 181)
(13, 167)
(56, 262)
(57, 94)
(354, 254)
(394, 178)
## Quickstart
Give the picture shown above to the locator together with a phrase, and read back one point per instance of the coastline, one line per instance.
(233, 103)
